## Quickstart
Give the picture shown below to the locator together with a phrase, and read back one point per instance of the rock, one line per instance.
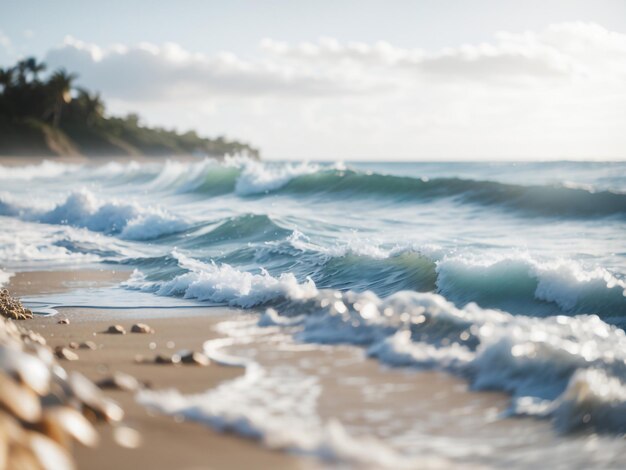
(64, 353)
(32, 337)
(11, 307)
(62, 422)
(64, 321)
(88, 345)
(73, 345)
(116, 330)
(165, 359)
(127, 437)
(141, 328)
(120, 381)
(48, 452)
(195, 358)
(20, 400)
(95, 404)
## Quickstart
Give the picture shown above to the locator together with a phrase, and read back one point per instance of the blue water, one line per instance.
(510, 275)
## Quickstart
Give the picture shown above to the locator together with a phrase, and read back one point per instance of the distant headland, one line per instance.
(51, 117)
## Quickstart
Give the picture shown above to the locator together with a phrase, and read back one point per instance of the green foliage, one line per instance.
(29, 106)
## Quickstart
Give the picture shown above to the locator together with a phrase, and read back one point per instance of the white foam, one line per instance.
(44, 170)
(226, 285)
(258, 178)
(83, 209)
(281, 412)
(534, 359)
(5, 276)
(565, 283)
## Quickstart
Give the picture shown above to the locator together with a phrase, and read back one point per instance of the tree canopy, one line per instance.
(31, 97)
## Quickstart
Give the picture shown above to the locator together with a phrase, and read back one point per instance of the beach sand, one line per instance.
(167, 443)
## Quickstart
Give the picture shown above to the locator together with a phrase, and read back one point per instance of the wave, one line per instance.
(514, 282)
(537, 360)
(533, 200)
(44, 170)
(247, 178)
(517, 283)
(511, 282)
(250, 178)
(82, 209)
(223, 284)
(238, 229)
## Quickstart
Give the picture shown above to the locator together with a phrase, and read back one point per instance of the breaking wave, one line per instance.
(83, 209)
(541, 362)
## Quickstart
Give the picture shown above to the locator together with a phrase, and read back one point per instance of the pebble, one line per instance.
(11, 307)
(116, 330)
(38, 426)
(195, 358)
(64, 353)
(120, 381)
(88, 345)
(73, 345)
(141, 328)
(64, 321)
(164, 359)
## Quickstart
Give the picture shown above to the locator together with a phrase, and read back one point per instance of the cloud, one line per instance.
(147, 71)
(559, 92)
(6, 43)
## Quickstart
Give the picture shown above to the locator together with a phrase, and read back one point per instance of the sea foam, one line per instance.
(83, 209)
(534, 359)
(224, 284)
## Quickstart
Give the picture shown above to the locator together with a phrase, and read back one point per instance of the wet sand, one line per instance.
(167, 443)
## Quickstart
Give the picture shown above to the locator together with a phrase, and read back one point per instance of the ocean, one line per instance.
(482, 277)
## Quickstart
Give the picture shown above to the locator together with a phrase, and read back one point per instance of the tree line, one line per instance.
(27, 93)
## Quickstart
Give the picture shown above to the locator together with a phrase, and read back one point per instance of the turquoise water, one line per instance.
(509, 275)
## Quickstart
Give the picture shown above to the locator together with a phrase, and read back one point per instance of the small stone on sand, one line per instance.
(88, 345)
(120, 381)
(196, 358)
(73, 345)
(64, 321)
(64, 353)
(141, 328)
(164, 359)
(116, 330)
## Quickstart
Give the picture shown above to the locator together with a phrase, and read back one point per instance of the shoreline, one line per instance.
(167, 442)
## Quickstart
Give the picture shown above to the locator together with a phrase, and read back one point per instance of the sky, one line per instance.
(350, 80)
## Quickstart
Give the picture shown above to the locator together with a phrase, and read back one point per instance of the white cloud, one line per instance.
(6, 43)
(556, 93)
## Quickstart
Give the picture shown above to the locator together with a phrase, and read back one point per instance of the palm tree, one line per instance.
(60, 85)
(35, 67)
(6, 78)
(91, 105)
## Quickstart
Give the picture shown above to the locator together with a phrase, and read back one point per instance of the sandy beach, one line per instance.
(167, 443)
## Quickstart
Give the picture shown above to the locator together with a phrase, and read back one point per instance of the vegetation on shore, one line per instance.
(50, 116)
